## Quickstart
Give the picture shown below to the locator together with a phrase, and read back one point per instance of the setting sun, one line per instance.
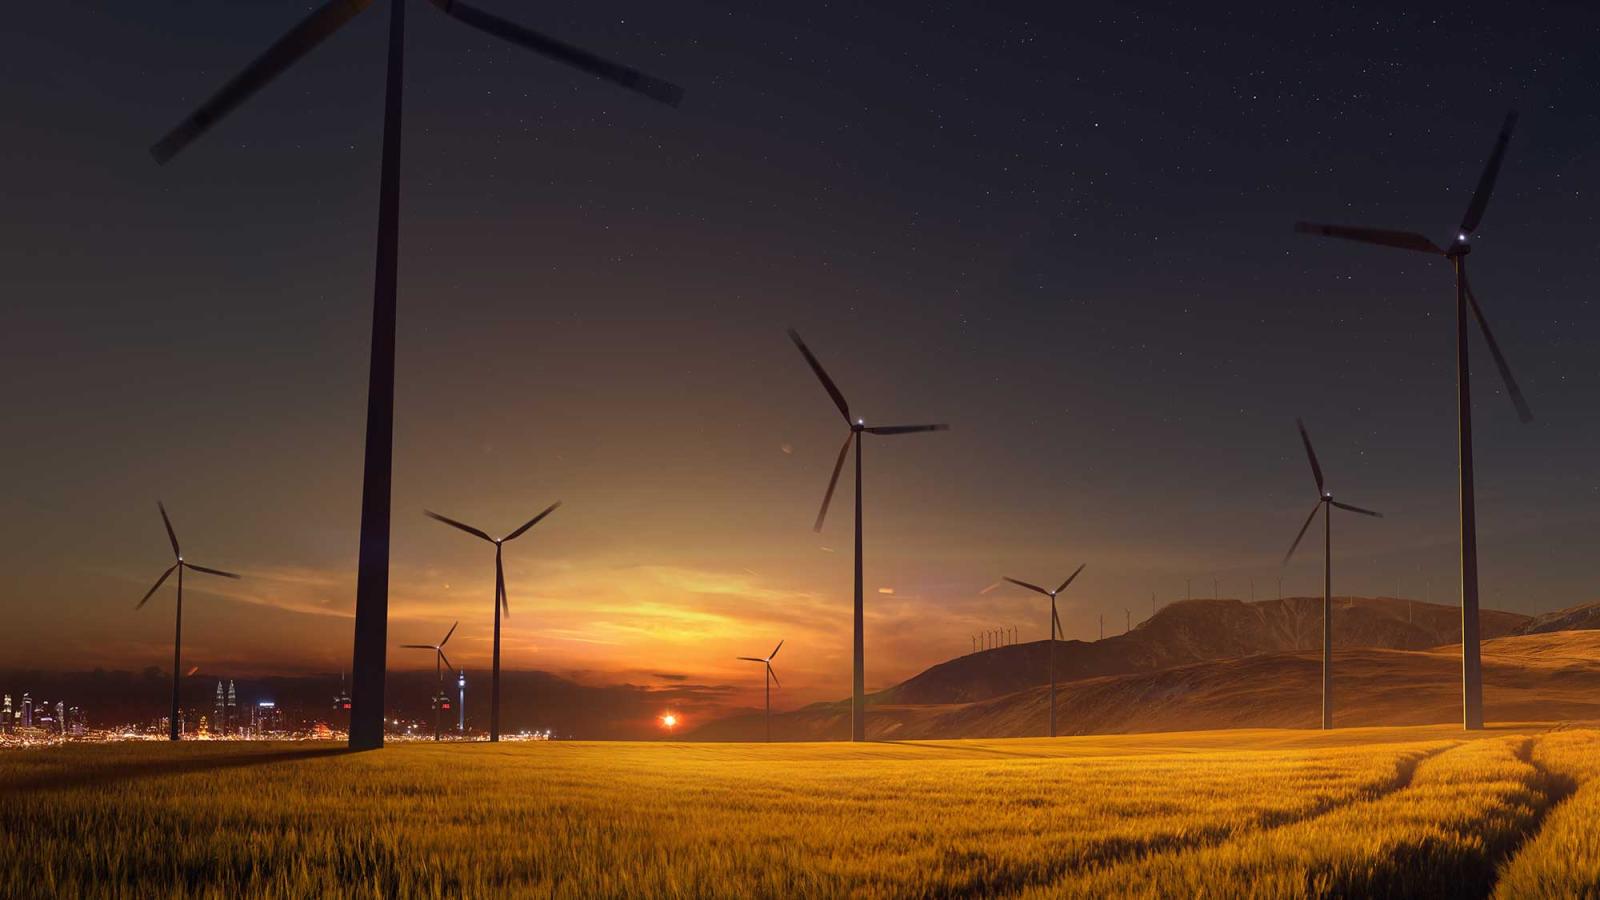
(669, 721)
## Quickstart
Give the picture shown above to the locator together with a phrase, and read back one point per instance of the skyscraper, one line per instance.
(5, 716)
(461, 701)
(219, 713)
(232, 723)
(27, 710)
(266, 718)
(61, 717)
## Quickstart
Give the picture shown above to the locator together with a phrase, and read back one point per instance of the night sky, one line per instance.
(1065, 230)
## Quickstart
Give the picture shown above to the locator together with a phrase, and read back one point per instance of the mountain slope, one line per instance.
(1541, 677)
(1574, 618)
(1194, 631)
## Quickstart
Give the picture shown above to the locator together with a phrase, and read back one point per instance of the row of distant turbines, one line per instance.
(994, 637)
(368, 670)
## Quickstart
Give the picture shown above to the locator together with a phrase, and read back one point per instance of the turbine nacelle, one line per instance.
(857, 425)
(1324, 496)
(178, 561)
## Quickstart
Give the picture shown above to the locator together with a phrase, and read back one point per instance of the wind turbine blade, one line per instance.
(1316, 470)
(751, 659)
(1031, 587)
(1491, 171)
(1055, 619)
(1405, 240)
(446, 659)
(774, 675)
(833, 482)
(775, 651)
(454, 524)
(297, 42)
(500, 586)
(827, 383)
(563, 52)
(1523, 412)
(1302, 532)
(1357, 509)
(157, 586)
(211, 571)
(905, 429)
(448, 633)
(1070, 578)
(534, 521)
(418, 647)
(171, 536)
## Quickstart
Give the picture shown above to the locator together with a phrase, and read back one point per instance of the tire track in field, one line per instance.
(1557, 789)
(1011, 880)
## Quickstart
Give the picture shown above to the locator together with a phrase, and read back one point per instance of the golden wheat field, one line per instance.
(1400, 812)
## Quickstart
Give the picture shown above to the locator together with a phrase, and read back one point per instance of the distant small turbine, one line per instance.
(439, 661)
(772, 678)
(1055, 630)
(1325, 504)
(178, 565)
(501, 602)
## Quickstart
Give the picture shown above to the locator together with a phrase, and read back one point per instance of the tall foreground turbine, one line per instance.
(1456, 253)
(858, 699)
(771, 677)
(1055, 633)
(500, 600)
(439, 662)
(372, 576)
(179, 564)
(1325, 504)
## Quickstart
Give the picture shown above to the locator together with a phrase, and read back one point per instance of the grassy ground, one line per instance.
(1371, 812)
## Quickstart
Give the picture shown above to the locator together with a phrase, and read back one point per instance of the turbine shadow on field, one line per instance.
(92, 777)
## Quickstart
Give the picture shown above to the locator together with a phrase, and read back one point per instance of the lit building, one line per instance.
(42, 718)
(27, 710)
(5, 716)
(266, 718)
(61, 717)
(231, 724)
(219, 712)
(77, 721)
(461, 701)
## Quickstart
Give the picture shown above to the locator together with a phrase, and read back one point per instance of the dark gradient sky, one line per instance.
(1065, 230)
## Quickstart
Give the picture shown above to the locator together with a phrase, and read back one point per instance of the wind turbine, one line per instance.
(1055, 630)
(1325, 504)
(372, 577)
(439, 659)
(858, 701)
(771, 677)
(501, 602)
(1456, 253)
(179, 564)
